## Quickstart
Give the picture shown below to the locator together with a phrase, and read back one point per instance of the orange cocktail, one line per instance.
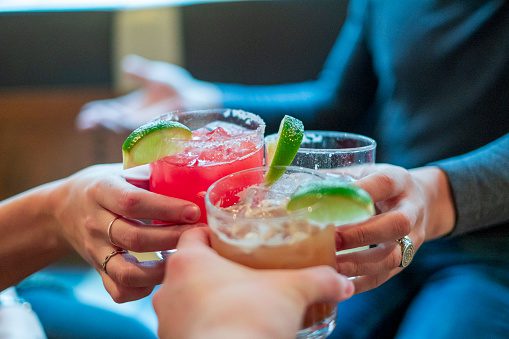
(251, 226)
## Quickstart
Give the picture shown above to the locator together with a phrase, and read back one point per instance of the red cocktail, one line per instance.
(224, 141)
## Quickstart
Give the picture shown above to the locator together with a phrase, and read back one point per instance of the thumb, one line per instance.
(322, 284)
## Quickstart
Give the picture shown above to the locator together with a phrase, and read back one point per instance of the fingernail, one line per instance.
(191, 213)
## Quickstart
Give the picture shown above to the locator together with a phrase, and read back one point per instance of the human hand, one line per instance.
(417, 203)
(164, 87)
(85, 203)
(204, 294)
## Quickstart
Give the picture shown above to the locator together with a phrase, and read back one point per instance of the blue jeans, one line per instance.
(63, 315)
(454, 288)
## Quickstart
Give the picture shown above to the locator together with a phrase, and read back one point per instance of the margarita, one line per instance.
(222, 142)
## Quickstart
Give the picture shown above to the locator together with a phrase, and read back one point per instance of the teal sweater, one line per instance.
(431, 77)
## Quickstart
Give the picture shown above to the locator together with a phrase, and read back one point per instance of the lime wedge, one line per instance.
(333, 203)
(150, 142)
(291, 132)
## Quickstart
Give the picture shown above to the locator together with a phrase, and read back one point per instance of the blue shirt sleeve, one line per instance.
(480, 186)
(347, 76)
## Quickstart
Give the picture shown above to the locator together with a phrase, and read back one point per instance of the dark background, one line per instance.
(51, 64)
(251, 42)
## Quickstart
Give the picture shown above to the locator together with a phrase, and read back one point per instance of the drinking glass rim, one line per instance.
(371, 143)
(260, 129)
(292, 214)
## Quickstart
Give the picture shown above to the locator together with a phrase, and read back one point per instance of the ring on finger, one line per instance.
(109, 256)
(407, 251)
(110, 225)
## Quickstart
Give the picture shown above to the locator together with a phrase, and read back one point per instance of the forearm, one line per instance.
(301, 100)
(346, 86)
(29, 240)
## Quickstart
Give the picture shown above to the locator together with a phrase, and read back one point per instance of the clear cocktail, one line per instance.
(224, 141)
(251, 225)
(331, 149)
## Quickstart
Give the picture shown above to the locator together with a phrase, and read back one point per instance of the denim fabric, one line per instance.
(454, 288)
(64, 316)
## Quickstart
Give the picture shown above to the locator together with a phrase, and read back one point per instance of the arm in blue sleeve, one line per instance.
(480, 185)
(346, 84)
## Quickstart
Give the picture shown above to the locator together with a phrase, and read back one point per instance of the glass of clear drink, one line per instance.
(251, 226)
(331, 149)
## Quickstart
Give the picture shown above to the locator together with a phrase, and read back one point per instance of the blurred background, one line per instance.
(57, 55)
(56, 58)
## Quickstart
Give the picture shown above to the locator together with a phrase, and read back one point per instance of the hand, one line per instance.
(204, 294)
(165, 87)
(417, 203)
(85, 203)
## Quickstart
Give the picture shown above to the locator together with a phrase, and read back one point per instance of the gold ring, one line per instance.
(407, 251)
(109, 230)
(109, 256)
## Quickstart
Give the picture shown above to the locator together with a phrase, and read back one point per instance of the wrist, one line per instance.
(439, 202)
(29, 241)
(53, 194)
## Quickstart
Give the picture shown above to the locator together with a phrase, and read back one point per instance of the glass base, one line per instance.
(146, 256)
(320, 329)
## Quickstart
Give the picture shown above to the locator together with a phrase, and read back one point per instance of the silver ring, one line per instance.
(109, 230)
(407, 251)
(109, 256)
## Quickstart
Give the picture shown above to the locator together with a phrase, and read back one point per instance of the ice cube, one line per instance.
(228, 127)
(183, 159)
(289, 183)
(200, 134)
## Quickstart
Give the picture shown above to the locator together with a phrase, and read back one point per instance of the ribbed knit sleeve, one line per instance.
(480, 185)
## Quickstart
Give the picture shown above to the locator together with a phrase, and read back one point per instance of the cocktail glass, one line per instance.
(331, 149)
(250, 225)
(224, 141)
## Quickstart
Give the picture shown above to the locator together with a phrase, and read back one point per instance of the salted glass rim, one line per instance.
(243, 115)
(223, 212)
(371, 143)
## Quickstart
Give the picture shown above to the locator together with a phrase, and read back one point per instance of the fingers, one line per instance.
(385, 183)
(136, 236)
(366, 283)
(127, 200)
(135, 67)
(322, 284)
(380, 228)
(125, 278)
(120, 293)
(126, 271)
(383, 258)
(195, 238)
(148, 71)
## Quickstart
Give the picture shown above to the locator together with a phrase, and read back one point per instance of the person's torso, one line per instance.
(443, 71)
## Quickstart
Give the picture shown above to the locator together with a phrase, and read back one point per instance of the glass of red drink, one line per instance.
(224, 141)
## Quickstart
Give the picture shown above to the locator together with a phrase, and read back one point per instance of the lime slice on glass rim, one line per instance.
(149, 142)
(290, 134)
(332, 202)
